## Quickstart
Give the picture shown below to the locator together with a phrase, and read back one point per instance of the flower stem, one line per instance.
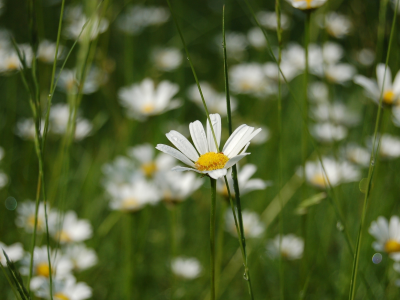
(372, 164)
(212, 235)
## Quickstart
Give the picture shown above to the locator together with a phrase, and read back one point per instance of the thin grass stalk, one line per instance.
(173, 242)
(381, 30)
(194, 73)
(212, 235)
(372, 164)
(9, 281)
(220, 244)
(239, 220)
(128, 268)
(280, 146)
(304, 137)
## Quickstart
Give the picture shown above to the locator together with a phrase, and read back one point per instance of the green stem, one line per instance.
(372, 164)
(220, 244)
(129, 265)
(212, 234)
(381, 30)
(305, 98)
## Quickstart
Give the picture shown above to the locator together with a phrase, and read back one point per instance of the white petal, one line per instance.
(396, 84)
(217, 173)
(181, 169)
(234, 160)
(199, 137)
(182, 144)
(233, 139)
(243, 142)
(175, 153)
(369, 85)
(380, 75)
(216, 123)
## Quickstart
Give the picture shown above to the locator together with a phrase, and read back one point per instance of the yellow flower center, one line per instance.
(63, 236)
(389, 97)
(149, 168)
(31, 222)
(318, 180)
(13, 64)
(43, 269)
(392, 246)
(211, 161)
(307, 1)
(130, 204)
(60, 296)
(148, 108)
(246, 85)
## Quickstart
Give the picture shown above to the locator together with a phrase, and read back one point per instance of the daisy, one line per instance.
(236, 45)
(121, 171)
(216, 102)
(176, 187)
(148, 164)
(68, 228)
(337, 172)
(366, 57)
(61, 266)
(306, 4)
(167, 59)
(269, 20)
(144, 99)
(14, 252)
(26, 216)
(210, 161)
(26, 129)
(9, 59)
(81, 257)
(327, 132)
(188, 268)
(47, 51)
(134, 196)
(289, 247)
(256, 38)
(69, 81)
(336, 112)
(357, 154)
(249, 78)
(387, 236)
(246, 184)
(389, 146)
(288, 69)
(65, 289)
(337, 25)
(252, 226)
(373, 88)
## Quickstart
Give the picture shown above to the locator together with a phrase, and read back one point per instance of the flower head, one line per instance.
(207, 159)
(26, 216)
(167, 59)
(47, 51)
(288, 246)
(81, 257)
(306, 4)
(252, 225)
(387, 235)
(14, 252)
(68, 228)
(63, 289)
(188, 268)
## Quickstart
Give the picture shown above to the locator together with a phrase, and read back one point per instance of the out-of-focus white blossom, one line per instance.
(249, 78)
(389, 146)
(336, 112)
(269, 20)
(328, 132)
(252, 226)
(47, 51)
(357, 154)
(14, 252)
(26, 216)
(188, 268)
(366, 57)
(26, 129)
(81, 257)
(63, 289)
(236, 45)
(318, 92)
(337, 25)
(288, 246)
(167, 59)
(69, 81)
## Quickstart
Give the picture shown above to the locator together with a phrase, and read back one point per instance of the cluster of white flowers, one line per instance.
(73, 256)
(58, 124)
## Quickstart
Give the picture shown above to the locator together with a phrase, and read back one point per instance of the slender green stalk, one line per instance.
(129, 266)
(280, 146)
(212, 234)
(220, 244)
(240, 228)
(381, 30)
(372, 164)
(305, 96)
(194, 74)
(9, 281)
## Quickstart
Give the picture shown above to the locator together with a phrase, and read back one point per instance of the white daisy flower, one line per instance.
(14, 252)
(262, 137)
(65, 289)
(256, 38)
(61, 266)
(210, 161)
(3, 179)
(252, 226)
(149, 165)
(144, 99)
(336, 112)
(288, 69)
(337, 25)
(26, 216)
(167, 59)
(9, 59)
(318, 92)
(373, 88)
(47, 51)
(69, 82)
(188, 268)
(236, 45)
(269, 20)
(336, 171)
(246, 184)
(328, 132)
(357, 154)
(81, 257)
(138, 17)
(121, 171)
(306, 4)
(76, 19)
(365, 57)
(291, 247)
(134, 196)
(216, 102)
(339, 73)
(67, 228)
(387, 236)
(389, 146)
(249, 78)
(176, 187)
(26, 129)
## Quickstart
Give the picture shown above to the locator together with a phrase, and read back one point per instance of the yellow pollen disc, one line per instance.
(246, 86)
(307, 1)
(392, 246)
(148, 108)
(12, 65)
(31, 222)
(318, 180)
(60, 296)
(130, 204)
(388, 97)
(63, 236)
(149, 168)
(211, 161)
(42, 269)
